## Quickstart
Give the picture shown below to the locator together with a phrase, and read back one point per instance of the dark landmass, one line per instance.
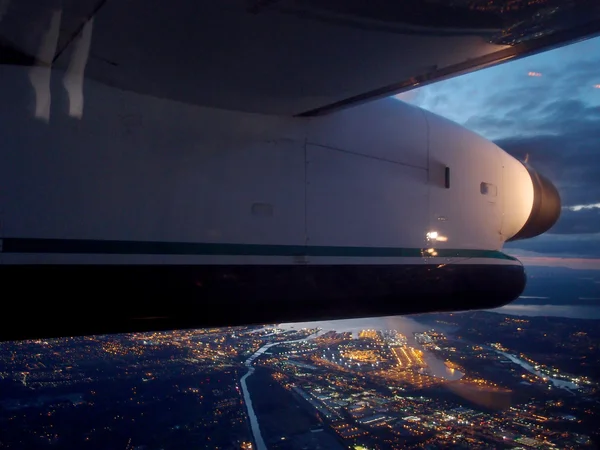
(285, 419)
(115, 392)
(571, 344)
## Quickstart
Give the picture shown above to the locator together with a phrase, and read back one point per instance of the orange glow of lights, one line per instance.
(534, 74)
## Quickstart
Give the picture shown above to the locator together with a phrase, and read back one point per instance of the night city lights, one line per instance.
(282, 387)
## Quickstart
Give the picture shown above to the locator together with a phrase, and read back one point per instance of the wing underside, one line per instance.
(288, 57)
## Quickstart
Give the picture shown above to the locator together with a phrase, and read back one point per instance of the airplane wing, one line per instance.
(287, 57)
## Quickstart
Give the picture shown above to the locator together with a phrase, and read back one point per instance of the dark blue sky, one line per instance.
(554, 117)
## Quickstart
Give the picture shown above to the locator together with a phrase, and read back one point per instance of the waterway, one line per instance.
(568, 311)
(258, 439)
(438, 369)
(402, 324)
(555, 381)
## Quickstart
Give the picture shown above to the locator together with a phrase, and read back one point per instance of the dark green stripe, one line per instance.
(28, 245)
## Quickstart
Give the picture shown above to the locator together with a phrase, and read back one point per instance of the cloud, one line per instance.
(578, 222)
(566, 149)
(553, 119)
(408, 96)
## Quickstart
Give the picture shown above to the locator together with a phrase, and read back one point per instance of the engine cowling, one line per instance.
(545, 207)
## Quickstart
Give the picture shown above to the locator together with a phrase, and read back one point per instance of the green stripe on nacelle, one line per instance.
(92, 246)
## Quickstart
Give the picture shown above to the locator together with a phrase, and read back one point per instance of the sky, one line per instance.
(546, 106)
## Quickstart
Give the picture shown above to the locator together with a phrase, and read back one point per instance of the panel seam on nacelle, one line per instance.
(378, 158)
(306, 237)
(427, 143)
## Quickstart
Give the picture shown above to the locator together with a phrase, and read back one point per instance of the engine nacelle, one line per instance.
(143, 213)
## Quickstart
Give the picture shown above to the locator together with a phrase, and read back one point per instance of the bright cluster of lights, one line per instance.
(435, 236)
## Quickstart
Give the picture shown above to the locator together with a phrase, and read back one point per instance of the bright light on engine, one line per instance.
(435, 236)
(517, 191)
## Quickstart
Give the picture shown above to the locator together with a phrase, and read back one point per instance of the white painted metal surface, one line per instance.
(139, 168)
(384, 129)
(358, 201)
(461, 213)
